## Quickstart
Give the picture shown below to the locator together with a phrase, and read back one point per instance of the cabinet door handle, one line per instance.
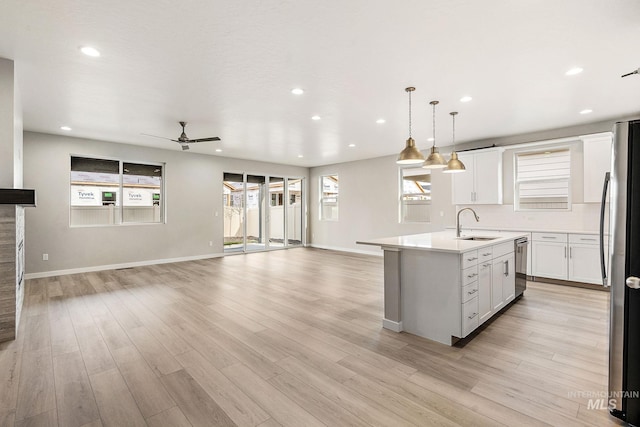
(565, 251)
(472, 275)
(486, 254)
(472, 292)
(472, 316)
(487, 264)
(588, 240)
(506, 268)
(549, 237)
(471, 259)
(570, 251)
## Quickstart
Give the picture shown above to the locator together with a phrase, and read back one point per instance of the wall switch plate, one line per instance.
(210, 243)
(45, 257)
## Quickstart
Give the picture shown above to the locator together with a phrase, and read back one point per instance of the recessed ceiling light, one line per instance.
(218, 150)
(90, 51)
(300, 156)
(352, 145)
(315, 118)
(297, 91)
(381, 121)
(586, 111)
(573, 71)
(430, 139)
(67, 128)
(466, 98)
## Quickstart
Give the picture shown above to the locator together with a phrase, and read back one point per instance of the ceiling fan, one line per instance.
(183, 140)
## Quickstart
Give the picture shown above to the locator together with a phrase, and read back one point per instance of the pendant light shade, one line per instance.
(410, 155)
(454, 165)
(435, 159)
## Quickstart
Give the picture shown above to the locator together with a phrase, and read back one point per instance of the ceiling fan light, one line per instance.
(454, 165)
(434, 160)
(410, 155)
(184, 147)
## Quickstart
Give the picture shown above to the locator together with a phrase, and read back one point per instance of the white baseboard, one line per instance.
(391, 325)
(355, 251)
(117, 266)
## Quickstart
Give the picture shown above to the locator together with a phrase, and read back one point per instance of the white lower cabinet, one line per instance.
(487, 286)
(574, 257)
(485, 308)
(549, 259)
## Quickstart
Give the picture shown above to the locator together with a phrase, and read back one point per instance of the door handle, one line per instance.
(633, 282)
(603, 202)
(506, 268)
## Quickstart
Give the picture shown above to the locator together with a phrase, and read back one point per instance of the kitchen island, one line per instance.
(442, 287)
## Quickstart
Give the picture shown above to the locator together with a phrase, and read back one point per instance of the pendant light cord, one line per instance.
(453, 117)
(434, 124)
(409, 114)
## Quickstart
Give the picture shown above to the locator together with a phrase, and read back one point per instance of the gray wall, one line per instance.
(10, 127)
(193, 195)
(369, 204)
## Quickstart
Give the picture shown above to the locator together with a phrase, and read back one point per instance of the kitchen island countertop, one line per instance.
(443, 241)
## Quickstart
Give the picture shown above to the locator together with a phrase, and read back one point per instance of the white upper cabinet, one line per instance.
(597, 162)
(481, 184)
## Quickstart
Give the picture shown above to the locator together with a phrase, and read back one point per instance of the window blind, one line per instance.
(542, 180)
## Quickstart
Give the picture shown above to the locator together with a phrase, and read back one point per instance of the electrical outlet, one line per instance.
(45, 257)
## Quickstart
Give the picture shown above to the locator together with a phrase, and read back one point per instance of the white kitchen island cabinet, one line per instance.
(441, 287)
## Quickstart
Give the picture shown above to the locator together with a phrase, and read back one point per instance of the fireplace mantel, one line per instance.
(17, 196)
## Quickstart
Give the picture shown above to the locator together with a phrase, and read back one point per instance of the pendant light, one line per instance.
(454, 165)
(435, 159)
(410, 155)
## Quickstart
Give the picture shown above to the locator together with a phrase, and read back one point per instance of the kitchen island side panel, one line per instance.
(431, 294)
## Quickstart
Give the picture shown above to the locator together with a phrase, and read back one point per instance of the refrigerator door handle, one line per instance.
(633, 282)
(603, 267)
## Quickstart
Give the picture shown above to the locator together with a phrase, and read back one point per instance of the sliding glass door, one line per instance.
(256, 213)
(276, 212)
(262, 212)
(233, 191)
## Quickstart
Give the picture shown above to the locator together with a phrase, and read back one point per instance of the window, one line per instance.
(111, 192)
(415, 195)
(329, 197)
(542, 180)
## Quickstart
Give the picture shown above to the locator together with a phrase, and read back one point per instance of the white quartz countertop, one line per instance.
(523, 229)
(443, 241)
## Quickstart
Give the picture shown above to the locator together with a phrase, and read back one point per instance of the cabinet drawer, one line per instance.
(503, 249)
(469, 316)
(469, 258)
(469, 291)
(485, 254)
(584, 238)
(469, 275)
(549, 237)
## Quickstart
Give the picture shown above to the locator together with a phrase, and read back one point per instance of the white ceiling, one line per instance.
(227, 67)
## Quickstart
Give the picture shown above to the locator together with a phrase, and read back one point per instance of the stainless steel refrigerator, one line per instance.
(623, 276)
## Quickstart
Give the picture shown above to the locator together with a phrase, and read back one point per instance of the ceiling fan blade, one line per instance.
(213, 138)
(162, 137)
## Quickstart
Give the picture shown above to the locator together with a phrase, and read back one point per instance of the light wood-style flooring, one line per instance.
(289, 338)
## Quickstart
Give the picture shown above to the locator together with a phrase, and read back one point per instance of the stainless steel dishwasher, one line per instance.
(521, 265)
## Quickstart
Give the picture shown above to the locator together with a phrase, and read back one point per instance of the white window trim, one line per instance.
(401, 205)
(321, 198)
(163, 191)
(537, 148)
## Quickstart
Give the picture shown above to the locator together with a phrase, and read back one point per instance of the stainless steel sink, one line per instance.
(479, 238)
